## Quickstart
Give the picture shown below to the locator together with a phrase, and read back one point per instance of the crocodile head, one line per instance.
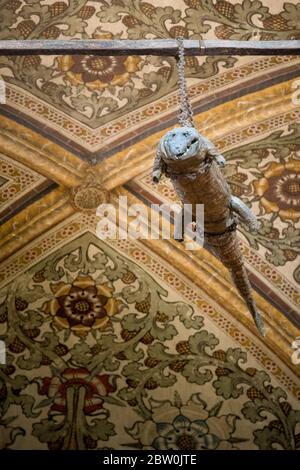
(181, 143)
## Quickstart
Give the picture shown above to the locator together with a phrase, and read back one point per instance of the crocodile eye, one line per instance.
(173, 135)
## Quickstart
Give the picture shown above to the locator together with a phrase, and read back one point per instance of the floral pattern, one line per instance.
(92, 336)
(187, 427)
(279, 189)
(97, 72)
(93, 390)
(99, 89)
(70, 390)
(268, 175)
(75, 396)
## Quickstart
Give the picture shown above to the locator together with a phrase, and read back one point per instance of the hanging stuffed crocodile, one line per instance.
(193, 164)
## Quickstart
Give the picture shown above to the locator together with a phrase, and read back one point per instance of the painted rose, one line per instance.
(279, 189)
(187, 427)
(82, 305)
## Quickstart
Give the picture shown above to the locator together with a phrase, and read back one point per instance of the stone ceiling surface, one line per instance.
(75, 128)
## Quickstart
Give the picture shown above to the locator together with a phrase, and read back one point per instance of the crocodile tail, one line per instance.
(226, 248)
(242, 283)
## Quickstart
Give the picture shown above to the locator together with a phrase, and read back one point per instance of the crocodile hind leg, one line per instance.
(226, 248)
(243, 211)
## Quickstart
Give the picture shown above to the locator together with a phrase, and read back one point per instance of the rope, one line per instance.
(186, 113)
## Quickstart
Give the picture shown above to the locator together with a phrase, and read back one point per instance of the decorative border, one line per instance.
(20, 181)
(94, 139)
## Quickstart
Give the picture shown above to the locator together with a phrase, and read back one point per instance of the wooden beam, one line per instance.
(161, 47)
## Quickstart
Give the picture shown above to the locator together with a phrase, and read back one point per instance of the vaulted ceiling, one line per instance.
(76, 127)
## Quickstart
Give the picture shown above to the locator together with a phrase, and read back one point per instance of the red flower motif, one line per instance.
(95, 389)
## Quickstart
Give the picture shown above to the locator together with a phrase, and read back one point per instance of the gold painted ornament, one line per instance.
(88, 195)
